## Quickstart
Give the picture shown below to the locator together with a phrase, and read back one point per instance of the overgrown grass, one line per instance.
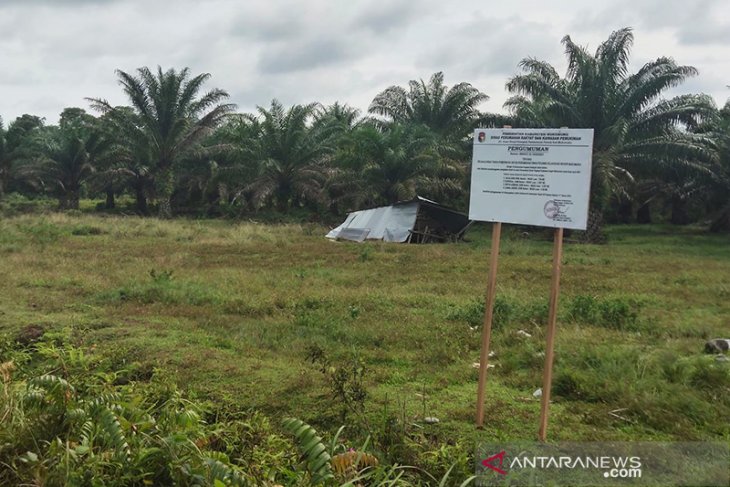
(229, 312)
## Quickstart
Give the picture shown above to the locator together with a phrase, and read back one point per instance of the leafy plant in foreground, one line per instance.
(313, 450)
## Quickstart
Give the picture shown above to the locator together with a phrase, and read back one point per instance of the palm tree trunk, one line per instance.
(163, 187)
(110, 203)
(625, 210)
(73, 201)
(594, 230)
(69, 200)
(141, 198)
(721, 224)
(164, 209)
(643, 214)
(680, 216)
(5, 179)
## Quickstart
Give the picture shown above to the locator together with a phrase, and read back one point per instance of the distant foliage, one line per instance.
(639, 136)
(178, 149)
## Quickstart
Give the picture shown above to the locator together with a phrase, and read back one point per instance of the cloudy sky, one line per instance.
(53, 53)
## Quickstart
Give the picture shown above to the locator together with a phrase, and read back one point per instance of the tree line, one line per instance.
(180, 148)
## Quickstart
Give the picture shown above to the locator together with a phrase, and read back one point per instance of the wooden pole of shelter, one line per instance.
(550, 344)
(487, 327)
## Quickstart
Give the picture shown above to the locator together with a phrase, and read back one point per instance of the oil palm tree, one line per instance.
(387, 166)
(171, 116)
(69, 159)
(718, 186)
(635, 129)
(338, 117)
(229, 179)
(450, 113)
(129, 161)
(17, 151)
(290, 154)
(5, 162)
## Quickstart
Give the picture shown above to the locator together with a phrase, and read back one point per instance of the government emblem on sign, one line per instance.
(552, 209)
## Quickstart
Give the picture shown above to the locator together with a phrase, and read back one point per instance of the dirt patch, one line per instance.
(29, 335)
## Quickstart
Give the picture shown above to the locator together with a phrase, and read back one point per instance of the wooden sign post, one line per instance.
(547, 380)
(535, 177)
(488, 315)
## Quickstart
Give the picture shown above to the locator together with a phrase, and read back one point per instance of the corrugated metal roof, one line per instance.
(389, 223)
(394, 223)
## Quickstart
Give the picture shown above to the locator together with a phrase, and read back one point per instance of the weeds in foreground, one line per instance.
(346, 382)
(66, 420)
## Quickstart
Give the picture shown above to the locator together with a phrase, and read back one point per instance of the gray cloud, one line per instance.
(492, 46)
(58, 3)
(704, 34)
(285, 58)
(55, 53)
(270, 24)
(692, 23)
(385, 18)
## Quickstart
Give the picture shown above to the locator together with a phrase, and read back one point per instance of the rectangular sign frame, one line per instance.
(538, 177)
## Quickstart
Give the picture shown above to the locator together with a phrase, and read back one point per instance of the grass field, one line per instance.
(257, 317)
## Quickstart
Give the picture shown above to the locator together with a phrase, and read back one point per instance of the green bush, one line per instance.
(14, 204)
(41, 232)
(162, 288)
(366, 253)
(505, 311)
(521, 361)
(84, 230)
(711, 376)
(617, 313)
(567, 384)
(583, 309)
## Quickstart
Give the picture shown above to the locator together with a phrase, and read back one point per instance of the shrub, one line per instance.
(366, 254)
(711, 376)
(41, 232)
(505, 310)
(617, 313)
(346, 381)
(567, 384)
(83, 230)
(16, 204)
(583, 309)
(162, 288)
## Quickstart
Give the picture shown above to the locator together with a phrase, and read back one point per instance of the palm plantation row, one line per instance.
(186, 150)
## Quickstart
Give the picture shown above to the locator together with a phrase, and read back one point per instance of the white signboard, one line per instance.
(532, 176)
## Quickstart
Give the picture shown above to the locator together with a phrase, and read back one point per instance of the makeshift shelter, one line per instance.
(416, 221)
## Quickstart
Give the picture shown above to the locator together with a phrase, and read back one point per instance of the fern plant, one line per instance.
(313, 450)
(76, 427)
